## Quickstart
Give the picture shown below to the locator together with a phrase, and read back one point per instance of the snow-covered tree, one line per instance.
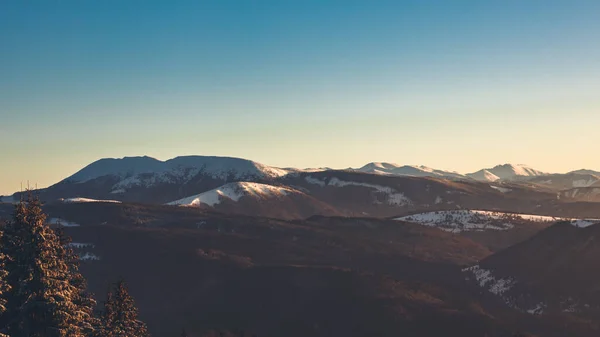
(3, 289)
(45, 296)
(82, 298)
(120, 315)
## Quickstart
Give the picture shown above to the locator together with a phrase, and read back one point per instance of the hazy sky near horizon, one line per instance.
(456, 85)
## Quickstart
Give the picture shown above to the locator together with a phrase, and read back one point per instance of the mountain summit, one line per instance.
(408, 170)
(185, 166)
(505, 172)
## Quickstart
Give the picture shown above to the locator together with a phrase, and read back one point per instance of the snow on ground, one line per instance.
(89, 256)
(576, 192)
(584, 183)
(570, 305)
(486, 280)
(484, 175)
(460, 220)
(457, 221)
(407, 170)
(145, 171)
(82, 200)
(234, 191)
(499, 287)
(64, 223)
(582, 223)
(185, 172)
(572, 193)
(83, 255)
(394, 197)
(537, 310)
(314, 181)
(501, 189)
(80, 245)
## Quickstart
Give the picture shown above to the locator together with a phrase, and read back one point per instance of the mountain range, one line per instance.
(207, 180)
(392, 249)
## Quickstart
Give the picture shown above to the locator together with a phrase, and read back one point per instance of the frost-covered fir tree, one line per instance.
(45, 295)
(3, 289)
(82, 298)
(120, 315)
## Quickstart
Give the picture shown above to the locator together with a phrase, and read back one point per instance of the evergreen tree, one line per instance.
(45, 295)
(81, 298)
(120, 315)
(3, 288)
(107, 317)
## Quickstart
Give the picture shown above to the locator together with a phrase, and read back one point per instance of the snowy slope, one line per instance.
(123, 167)
(184, 167)
(82, 200)
(234, 192)
(62, 222)
(393, 197)
(567, 181)
(407, 170)
(584, 194)
(457, 221)
(130, 172)
(506, 171)
(484, 175)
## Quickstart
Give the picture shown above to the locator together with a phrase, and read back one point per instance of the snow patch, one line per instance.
(80, 245)
(89, 257)
(408, 170)
(145, 171)
(314, 181)
(584, 183)
(486, 280)
(499, 287)
(506, 171)
(64, 223)
(501, 189)
(394, 197)
(484, 175)
(83, 200)
(537, 310)
(234, 192)
(457, 221)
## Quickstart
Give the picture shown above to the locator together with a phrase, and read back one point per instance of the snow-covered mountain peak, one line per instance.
(509, 170)
(378, 166)
(484, 175)
(407, 170)
(505, 172)
(121, 167)
(137, 170)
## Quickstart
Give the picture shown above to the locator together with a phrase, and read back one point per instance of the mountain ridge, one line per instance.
(147, 179)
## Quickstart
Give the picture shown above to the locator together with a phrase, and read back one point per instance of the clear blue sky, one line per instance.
(450, 84)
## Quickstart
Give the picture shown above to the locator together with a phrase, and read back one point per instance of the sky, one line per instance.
(457, 85)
